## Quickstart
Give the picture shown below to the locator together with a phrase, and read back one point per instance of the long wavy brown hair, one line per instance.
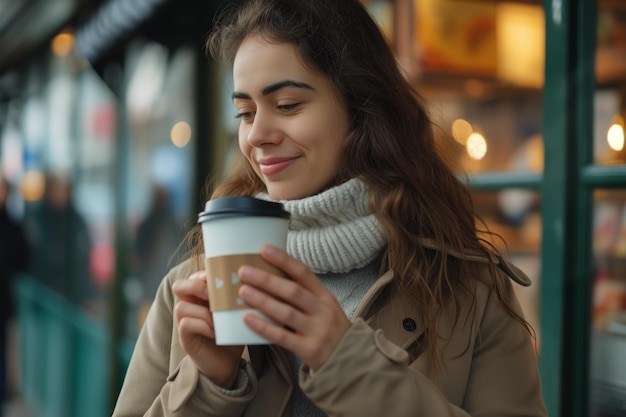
(391, 147)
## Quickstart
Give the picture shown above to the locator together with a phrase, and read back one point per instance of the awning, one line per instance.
(110, 22)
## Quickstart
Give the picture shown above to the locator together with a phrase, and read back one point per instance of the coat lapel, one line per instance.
(393, 311)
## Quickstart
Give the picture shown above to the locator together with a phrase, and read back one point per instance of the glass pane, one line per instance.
(61, 218)
(160, 111)
(382, 12)
(608, 345)
(514, 215)
(94, 193)
(484, 91)
(610, 96)
(483, 86)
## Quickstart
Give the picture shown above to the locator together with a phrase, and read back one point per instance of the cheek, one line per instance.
(244, 146)
(246, 149)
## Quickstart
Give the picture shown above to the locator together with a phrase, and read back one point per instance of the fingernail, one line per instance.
(245, 272)
(270, 250)
(246, 292)
(198, 275)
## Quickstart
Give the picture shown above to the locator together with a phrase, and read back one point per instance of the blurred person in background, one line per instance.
(156, 241)
(14, 257)
(62, 243)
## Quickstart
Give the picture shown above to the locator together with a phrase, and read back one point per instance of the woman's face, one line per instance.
(293, 124)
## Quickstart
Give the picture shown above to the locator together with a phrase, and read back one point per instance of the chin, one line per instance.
(278, 196)
(282, 193)
(294, 191)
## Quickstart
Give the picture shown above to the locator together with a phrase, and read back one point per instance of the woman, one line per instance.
(393, 306)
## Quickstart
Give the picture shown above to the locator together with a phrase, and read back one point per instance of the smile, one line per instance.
(273, 166)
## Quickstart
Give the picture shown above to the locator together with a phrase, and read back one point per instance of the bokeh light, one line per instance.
(180, 134)
(615, 137)
(461, 130)
(62, 43)
(476, 146)
(32, 185)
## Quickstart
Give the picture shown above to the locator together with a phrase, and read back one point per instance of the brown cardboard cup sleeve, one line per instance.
(223, 280)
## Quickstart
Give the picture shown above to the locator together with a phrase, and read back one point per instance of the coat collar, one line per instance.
(397, 314)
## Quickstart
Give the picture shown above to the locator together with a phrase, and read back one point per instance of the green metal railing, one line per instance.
(494, 181)
(64, 354)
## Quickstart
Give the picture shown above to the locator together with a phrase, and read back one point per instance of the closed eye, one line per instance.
(287, 107)
(245, 115)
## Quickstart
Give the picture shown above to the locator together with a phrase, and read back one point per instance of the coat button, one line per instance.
(409, 324)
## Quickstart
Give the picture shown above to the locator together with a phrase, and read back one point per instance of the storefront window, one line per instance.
(608, 306)
(95, 176)
(608, 361)
(514, 216)
(610, 99)
(483, 85)
(160, 99)
(62, 220)
(483, 88)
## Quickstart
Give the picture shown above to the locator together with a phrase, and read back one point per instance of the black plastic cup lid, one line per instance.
(241, 206)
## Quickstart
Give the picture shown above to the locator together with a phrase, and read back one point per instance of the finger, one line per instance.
(189, 327)
(185, 312)
(294, 269)
(314, 349)
(280, 312)
(313, 353)
(273, 332)
(184, 309)
(193, 289)
(281, 288)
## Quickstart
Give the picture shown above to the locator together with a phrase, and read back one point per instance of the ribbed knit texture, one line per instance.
(334, 231)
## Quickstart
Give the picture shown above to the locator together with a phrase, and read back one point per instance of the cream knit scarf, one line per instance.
(334, 231)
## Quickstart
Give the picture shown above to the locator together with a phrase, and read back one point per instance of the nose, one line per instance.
(263, 130)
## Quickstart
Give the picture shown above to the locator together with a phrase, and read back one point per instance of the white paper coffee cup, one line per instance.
(233, 231)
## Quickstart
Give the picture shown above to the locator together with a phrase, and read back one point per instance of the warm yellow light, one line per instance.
(461, 130)
(476, 146)
(520, 35)
(615, 137)
(32, 185)
(62, 43)
(180, 134)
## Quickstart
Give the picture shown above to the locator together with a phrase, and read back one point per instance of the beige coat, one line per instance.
(369, 374)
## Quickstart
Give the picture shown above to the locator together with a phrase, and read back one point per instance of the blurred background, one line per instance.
(112, 118)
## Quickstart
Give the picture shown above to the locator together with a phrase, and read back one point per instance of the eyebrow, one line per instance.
(275, 87)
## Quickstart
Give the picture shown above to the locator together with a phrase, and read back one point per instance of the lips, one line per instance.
(271, 166)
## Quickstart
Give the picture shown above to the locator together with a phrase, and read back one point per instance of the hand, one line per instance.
(197, 335)
(310, 320)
